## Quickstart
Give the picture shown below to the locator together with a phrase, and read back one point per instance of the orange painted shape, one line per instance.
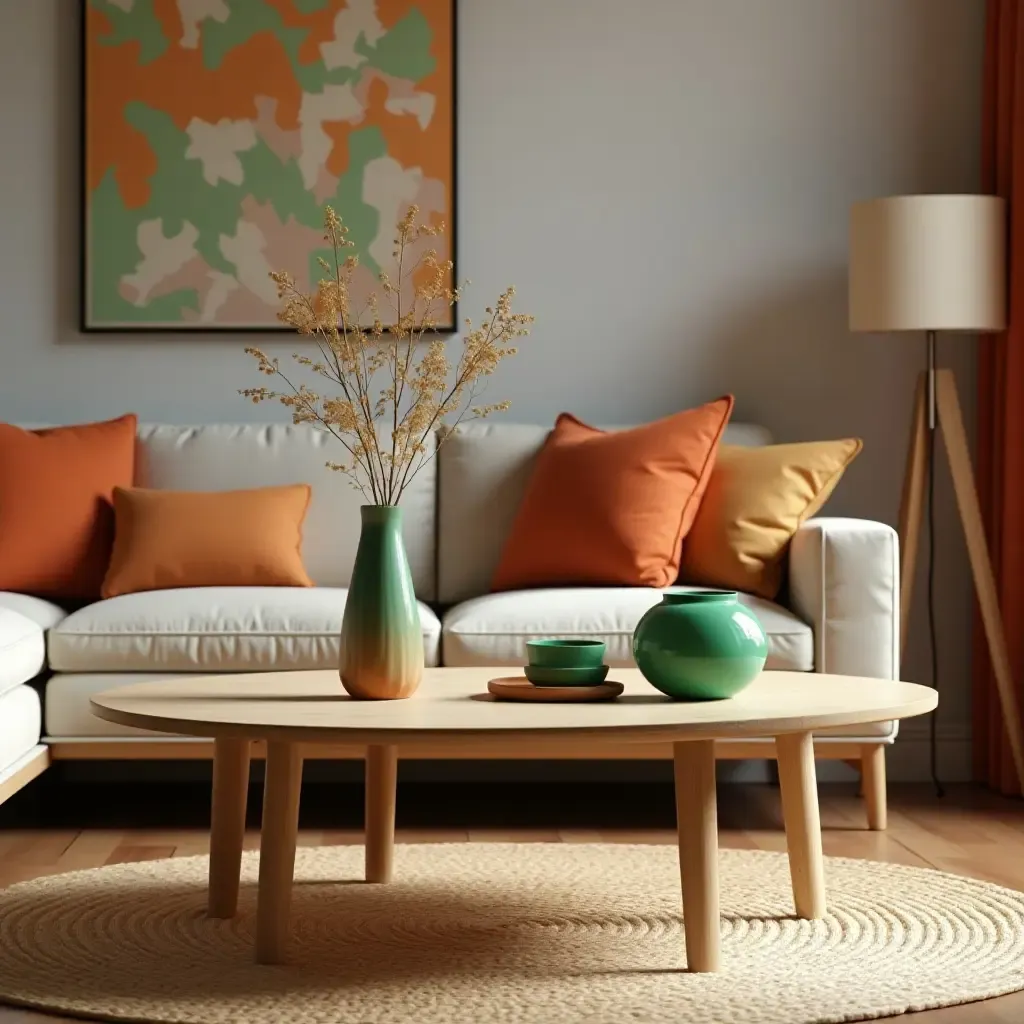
(338, 132)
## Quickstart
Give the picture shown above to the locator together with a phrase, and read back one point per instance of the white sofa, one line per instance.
(24, 621)
(841, 614)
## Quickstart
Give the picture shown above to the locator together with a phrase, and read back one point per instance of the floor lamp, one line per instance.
(926, 264)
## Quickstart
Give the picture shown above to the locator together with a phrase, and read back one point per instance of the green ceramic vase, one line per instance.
(381, 638)
(699, 645)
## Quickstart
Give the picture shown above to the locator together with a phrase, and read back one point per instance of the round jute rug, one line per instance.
(495, 933)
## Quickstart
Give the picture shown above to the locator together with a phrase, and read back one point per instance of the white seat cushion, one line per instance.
(45, 614)
(68, 715)
(20, 723)
(212, 629)
(22, 649)
(493, 630)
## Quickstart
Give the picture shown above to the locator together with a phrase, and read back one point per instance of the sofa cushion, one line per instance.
(22, 649)
(68, 715)
(20, 723)
(211, 629)
(172, 539)
(757, 499)
(483, 471)
(56, 519)
(223, 457)
(493, 629)
(611, 507)
(43, 613)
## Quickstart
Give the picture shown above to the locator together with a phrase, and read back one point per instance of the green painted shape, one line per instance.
(268, 179)
(249, 18)
(137, 25)
(178, 190)
(180, 193)
(114, 253)
(309, 6)
(244, 20)
(381, 636)
(361, 219)
(699, 645)
(404, 50)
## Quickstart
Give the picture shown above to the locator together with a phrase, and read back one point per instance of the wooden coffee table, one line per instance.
(289, 710)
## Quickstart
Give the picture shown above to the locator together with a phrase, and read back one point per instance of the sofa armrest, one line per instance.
(844, 580)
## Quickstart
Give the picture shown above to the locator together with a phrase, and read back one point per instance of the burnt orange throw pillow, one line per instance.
(612, 508)
(56, 518)
(168, 539)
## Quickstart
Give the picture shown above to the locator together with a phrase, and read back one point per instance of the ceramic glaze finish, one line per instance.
(381, 642)
(565, 654)
(700, 645)
(541, 676)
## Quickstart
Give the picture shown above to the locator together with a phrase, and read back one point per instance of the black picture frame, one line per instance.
(87, 327)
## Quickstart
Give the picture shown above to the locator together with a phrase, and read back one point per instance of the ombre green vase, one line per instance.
(381, 637)
(700, 645)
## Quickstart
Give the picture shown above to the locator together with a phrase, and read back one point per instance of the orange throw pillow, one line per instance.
(612, 508)
(170, 539)
(56, 518)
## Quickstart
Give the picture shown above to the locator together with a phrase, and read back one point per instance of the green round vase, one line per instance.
(700, 645)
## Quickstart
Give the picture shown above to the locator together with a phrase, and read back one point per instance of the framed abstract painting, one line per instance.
(214, 133)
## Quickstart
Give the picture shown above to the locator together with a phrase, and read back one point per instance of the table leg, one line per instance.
(381, 785)
(277, 850)
(803, 824)
(227, 824)
(697, 822)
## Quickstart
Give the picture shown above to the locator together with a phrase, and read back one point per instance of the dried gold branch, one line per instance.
(421, 390)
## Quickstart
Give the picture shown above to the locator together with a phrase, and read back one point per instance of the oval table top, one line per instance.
(452, 705)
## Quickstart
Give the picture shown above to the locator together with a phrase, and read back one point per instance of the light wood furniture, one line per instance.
(867, 758)
(950, 420)
(32, 767)
(292, 710)
(520, 688)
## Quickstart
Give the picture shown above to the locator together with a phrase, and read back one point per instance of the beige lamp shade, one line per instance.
(928, 263)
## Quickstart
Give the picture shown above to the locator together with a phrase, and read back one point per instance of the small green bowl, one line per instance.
(566, 676)
(566, 653)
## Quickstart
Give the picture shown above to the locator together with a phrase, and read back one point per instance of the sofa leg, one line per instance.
(873, 776)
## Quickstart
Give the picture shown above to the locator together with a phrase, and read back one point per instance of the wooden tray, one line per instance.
(520, 688)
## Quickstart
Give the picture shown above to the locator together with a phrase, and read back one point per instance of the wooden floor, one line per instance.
(969, 832)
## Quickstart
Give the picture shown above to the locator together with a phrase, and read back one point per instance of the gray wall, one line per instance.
(666, 182)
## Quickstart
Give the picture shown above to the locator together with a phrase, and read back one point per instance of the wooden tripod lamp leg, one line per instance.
(912, 505)
(955, 438)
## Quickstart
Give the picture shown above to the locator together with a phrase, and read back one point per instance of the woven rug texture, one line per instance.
(503, 933)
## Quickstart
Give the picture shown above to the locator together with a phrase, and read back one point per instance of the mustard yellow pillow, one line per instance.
(756, 500)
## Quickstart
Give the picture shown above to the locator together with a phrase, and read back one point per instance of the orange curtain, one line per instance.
(1001, 389)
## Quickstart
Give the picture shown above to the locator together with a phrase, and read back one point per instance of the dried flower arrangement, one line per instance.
(396, 383)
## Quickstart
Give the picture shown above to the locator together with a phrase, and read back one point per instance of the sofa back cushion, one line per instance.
(171, 539)
(226, 457)
(483, 470)
(56, 515)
